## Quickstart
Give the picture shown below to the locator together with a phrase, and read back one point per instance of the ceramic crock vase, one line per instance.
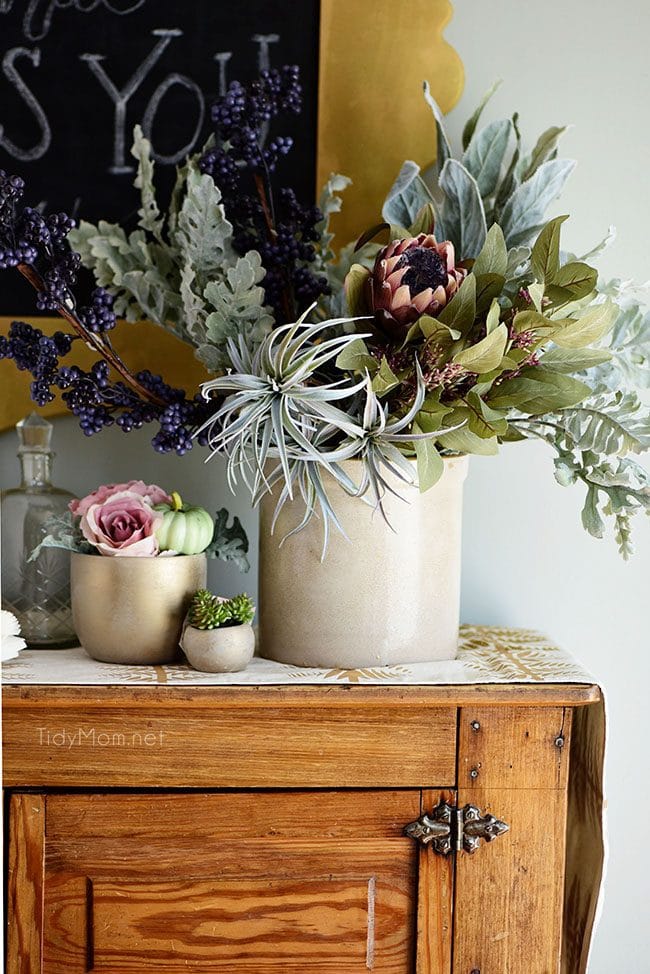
(131, 610)
(388, 595)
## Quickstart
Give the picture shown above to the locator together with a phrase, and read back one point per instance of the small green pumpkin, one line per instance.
(185, 529)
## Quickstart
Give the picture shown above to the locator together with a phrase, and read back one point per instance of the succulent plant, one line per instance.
(208, 611)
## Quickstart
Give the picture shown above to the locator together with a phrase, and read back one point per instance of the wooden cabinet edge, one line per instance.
(323, 696)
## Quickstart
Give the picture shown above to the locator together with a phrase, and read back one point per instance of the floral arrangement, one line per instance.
(135, 519)
(454, 325)
(208, 611)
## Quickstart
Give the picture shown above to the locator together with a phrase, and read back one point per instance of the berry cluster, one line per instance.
(94, 398)
(241, 163)
(27, 237)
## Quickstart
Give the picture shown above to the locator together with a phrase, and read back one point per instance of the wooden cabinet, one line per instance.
(262, 830)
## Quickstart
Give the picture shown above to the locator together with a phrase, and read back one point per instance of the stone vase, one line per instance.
(131, 610)
(388, 595)
(227, 649)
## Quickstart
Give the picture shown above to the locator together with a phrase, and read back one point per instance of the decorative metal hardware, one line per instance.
(448, 829)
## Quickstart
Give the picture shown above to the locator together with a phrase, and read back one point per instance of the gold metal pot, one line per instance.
(131, 610)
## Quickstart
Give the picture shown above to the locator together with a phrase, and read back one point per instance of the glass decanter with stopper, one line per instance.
(38, 591)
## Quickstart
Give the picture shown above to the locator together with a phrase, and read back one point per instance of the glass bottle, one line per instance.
(37, 592)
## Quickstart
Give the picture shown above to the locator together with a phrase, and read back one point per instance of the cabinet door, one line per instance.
(239, 882)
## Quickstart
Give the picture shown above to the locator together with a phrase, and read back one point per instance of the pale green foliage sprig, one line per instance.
(179, 269)
(495, 180)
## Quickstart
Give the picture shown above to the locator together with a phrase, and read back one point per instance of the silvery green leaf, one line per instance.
(525, 209)
(229, 542)
(601, 247)
(462, 212)
(486, 153)
(472, 122)
(406, 197)
(609, 424)
(329, 202)
(194, 310)
(442, 142)
(545, 148)
(203, 234)
(235, 307)
(518, 262)
(149, 213)
(510, 180)
(62, 531)
(591, 519)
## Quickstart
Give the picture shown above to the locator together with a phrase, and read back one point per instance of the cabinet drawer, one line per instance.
(210, 741)
(241, 883)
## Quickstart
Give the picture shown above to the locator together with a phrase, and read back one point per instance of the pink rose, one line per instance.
(152, 493)
(123, 524)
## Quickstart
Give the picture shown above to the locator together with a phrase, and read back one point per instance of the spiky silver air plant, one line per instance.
(412, 277)
(281, 407)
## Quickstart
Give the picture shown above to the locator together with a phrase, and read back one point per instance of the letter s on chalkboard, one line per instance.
(12, 75)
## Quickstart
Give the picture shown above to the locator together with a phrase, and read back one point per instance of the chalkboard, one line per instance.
(77, 75)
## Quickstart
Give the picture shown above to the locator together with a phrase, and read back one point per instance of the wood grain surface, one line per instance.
(512, 888)
(288, 747)
(285, 881)
(25, 883)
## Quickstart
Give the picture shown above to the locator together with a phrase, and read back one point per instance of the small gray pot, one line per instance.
(224, 650)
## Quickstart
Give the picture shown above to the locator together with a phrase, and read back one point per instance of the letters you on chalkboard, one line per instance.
(77, 75)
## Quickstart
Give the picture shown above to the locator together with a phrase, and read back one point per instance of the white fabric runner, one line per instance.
(486, 655)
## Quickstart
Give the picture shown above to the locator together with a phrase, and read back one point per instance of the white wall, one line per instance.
(527, 561)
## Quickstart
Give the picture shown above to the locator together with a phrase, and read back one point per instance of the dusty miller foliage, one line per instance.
(179, 269)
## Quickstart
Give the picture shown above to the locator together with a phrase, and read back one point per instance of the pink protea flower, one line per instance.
(412, 277)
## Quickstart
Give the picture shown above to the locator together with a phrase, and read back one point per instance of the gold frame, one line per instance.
(369, 115)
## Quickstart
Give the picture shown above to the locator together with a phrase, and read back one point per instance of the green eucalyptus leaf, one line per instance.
(355, 357)
(487, 354)
(488, 287)
(470, 125)
(571, 282)
(545, 255)
(384, 379)
(544, 148)
(465, 441)
(537, 391)
(460, 313)
(590, 328)
(483, 420)
(430, 464)
(432, 327)
(569, 360)
(492, 320)
(485, 154)
(356, 282)
(462, 211)
(493, 257)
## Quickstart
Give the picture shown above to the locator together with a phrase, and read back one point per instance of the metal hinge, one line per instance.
(448, 829)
